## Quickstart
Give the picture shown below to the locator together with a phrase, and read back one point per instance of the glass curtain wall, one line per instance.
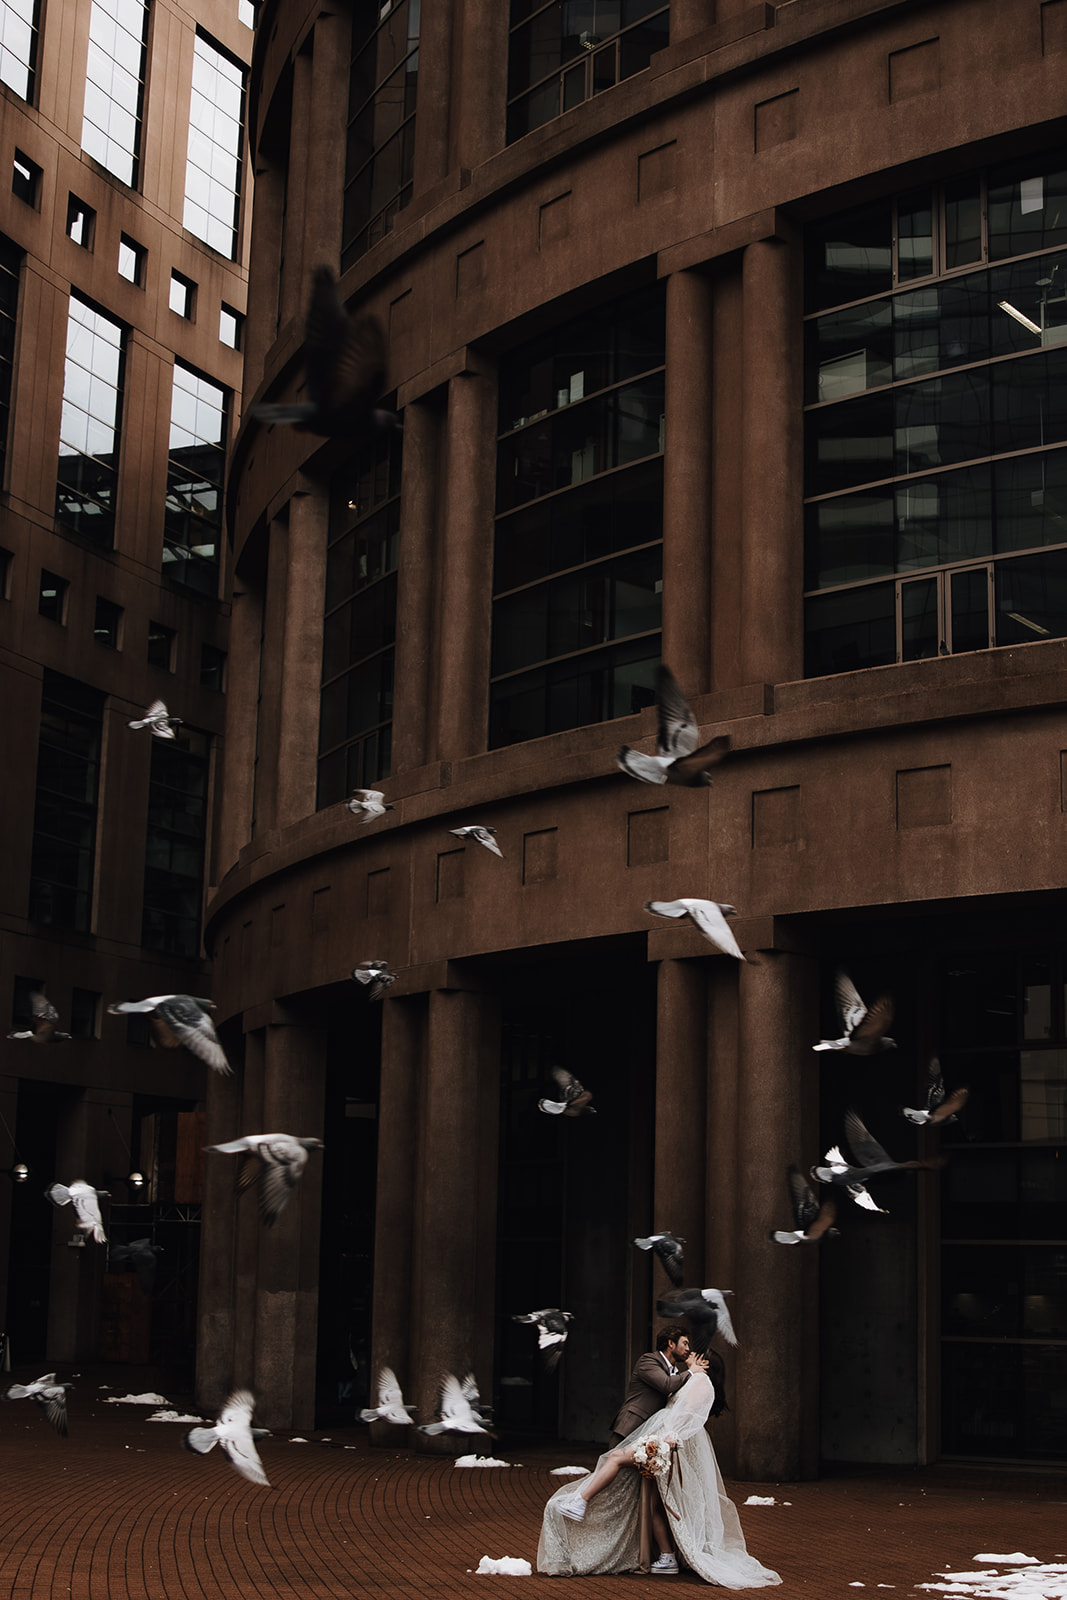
(563, 53)
(64, 820)
(936, 420)
(175, 843)
(114, 87)
(196, 472)
(19, 21)
(380, 148)
(89, 429)
(213, 165)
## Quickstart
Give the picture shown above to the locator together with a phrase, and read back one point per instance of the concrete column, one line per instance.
(328, 113)
(776, 1395)
(687, 528)
(415, 586)
(247, 1225)
(434, 111)
(772, 524)
(301, 179)
(480, 68)
(216, 1309)
(270, 686)
(403, 1046)
(454, 1257)
(239, 745)
(301, 679)
(9, 1098)
(287, 1282)
(681, 1109)
(92, 1142)
(463, 588)
(261, 323)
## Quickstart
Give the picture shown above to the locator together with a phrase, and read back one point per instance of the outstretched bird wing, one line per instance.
(235, 1437)
(676, 731)
(864, 1146)
(193, 1028)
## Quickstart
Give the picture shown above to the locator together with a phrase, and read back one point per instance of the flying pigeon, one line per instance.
(366, 804)
(707, 1313)
(458, 1408)
(871, 1160)
(45, 1017)
(707, 915)
(551, 1333)
(576, 1100)
(669, 1251)
(277, 1160)
(140, 1254)
(159, 720)
(390, 1405)
(235, 1433)
(375, 976)
(938, 1108)
(83, 1197)
(677, 758)
(856, 1191)
(49, 1395)
(344, 371)
(179, 1019)
(814, 1220)
(480, 835)
(865, 1031)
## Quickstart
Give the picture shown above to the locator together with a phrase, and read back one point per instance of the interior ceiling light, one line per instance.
(1032, 327)
(1017, 616)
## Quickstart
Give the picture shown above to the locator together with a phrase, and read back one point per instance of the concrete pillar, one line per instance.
(268, 220)
(681, 1110)
(216, 1309)
(687, 528)
(301, 679)
(328, 114)
(247, 1225)
(92, 1142)
(301, 178)
(242, 715)
(463, 588)
(270, 687)
(433, 116)
(776, 1395)
(772, 523)
(480, 68)
(454, 1257)
(415, 586)
(287, 1281)
(9, 1096)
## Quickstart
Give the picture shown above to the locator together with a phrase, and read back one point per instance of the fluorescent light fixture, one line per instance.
(1025, 622)
(1032, 327)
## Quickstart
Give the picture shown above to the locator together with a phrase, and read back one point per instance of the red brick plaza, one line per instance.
(118, 1511)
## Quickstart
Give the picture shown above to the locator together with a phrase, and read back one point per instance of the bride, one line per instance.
(595, 1527)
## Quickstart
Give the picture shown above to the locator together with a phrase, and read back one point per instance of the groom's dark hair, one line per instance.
(669, 1335)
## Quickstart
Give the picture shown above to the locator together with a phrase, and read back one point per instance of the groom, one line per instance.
(656, 1376)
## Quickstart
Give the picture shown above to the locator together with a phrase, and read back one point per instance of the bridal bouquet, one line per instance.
(652, 1458)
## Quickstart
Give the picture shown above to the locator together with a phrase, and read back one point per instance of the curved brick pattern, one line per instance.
(120, 1512)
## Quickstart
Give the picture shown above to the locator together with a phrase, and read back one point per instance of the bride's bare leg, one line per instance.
(661, 1528)
(606, 1472)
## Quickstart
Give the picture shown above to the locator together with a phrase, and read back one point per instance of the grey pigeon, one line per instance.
(277, 1160)
(375, 978)
(45, 1017)
(551, 1332)
(939, 1108)
(158, 718)
(575, 1100)
(49, 1395)
(344, 371)
(234, 1432)
(669, 1251)
(389, 1405)
(707, 915)
(83, 1197)
(480, 835)
(814, 1219)
(366, 804)
(458, 1408)
(141, 1255)
(707, 1313)
(678, 758)
(871, 1159)
(180, 1019)
(864, 1029)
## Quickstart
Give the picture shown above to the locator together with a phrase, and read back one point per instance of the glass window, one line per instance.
(85, 1014)
(183, 296)
(52, 597)
(850, 630)
(81, 222)
(231, 325)
(114, 85)
(174, 844)
(212, 668)
(160, 646)
(213, 165)
(107, 623)
(18, 45)
(64, 824)
(196, 464)
(562, 53)
(7, 562)
(1027, 206)
(380, 142)
(10, 267)
(132, 259)
(25, 178)
(89, 428)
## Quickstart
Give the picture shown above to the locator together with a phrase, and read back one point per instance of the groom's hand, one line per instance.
(696, 1362)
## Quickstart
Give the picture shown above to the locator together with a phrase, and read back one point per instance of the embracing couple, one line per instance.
(659, 1434)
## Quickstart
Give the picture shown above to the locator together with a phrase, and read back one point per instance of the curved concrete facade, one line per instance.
(875, 817)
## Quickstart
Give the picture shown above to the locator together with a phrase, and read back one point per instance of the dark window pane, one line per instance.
(64, 829)
(919, 632)
(969, 609)
(851, 630)
(1031, 501)
(1031, 598)
(174, 844)
(1027, 204)
(915, 235)
(595, 688)
(849, 256)
(963, 221)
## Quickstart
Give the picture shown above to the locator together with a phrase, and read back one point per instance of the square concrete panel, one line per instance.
(1053, 27)
(450, 875)
(775, 816)
(320, 910)
(470, 269)
(916, 70)
(379, 887)
(656, 171)
(924, 797)
(554, 220)
(647, 836)
(539, 855)
(776, 120)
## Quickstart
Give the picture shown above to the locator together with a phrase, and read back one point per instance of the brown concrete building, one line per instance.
(732, 335)
(122, 278)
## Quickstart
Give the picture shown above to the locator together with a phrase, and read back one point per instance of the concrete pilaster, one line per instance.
(270, 678)
(261, 323)
(432, 122)
(301, 678)
(246, 1219)
(9, 1095)
(415, 586)
(216, 1308)
(681, 1109)
(291, 300)
(92, 1142)
(687, 529)
(239, 746)
(480, 68)
(328, 112)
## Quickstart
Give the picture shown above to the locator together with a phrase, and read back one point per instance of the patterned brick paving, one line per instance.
(118, 1511)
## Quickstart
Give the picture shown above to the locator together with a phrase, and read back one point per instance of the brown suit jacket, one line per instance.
(651, 1386)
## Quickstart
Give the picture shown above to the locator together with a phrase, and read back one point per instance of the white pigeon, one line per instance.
(707, 915)
(234, 1432)
(49, 1395)
(677, 758)
(458, 1408)
(389, 1406)
(45, 1017)
(366, 804)
(277, 1161)
(864, 1029)
(158, 719)
(375, 977)
(180, 1019)
(83, 1197)
(481, 836)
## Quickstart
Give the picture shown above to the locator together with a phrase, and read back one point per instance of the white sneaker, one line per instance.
(665, 1563)
(573, 1507)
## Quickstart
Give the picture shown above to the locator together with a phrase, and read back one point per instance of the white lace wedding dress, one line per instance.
(706, 1527)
